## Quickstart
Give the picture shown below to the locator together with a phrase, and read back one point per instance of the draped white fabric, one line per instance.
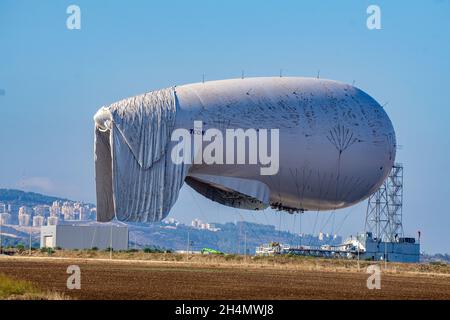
(134, 164)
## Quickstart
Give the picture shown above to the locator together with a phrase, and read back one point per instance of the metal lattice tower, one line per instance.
(384, 208)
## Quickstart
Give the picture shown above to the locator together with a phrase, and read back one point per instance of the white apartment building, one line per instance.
(52, 221)
(24, 219)
(3, 207)
(5, 218)
(25, 210)
(67, 210)
(55, 209)
(41, 210)
(38, 221)
(84, 213)
(198, 224)
(93, 213)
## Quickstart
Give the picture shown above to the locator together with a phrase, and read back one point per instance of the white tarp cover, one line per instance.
(136, 179)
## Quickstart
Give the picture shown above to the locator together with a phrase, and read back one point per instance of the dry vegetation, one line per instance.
(170, 276)
(14, 289)
(273, 262)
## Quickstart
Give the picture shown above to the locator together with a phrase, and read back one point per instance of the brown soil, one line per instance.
(177, 280)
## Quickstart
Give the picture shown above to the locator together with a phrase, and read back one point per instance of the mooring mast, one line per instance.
(384, 208)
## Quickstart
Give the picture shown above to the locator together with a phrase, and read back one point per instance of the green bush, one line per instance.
(179, 257)
(438, 263)
(49, 251)
(156, 250)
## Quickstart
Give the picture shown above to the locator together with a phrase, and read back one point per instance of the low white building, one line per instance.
(198, 224)
(84, 237)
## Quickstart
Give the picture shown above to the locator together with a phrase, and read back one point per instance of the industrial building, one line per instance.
(401, 250)
(363, 247)
(84, 237)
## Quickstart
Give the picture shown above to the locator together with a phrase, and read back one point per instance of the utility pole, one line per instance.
(385, 255)
(187, 251)
(30, 243)
(239, 237)
(245, 246)
(358, 252)
(110, 242)
(300, 229)
(1, 239)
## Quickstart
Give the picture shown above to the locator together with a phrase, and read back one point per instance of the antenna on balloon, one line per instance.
(318, 74)
(203, 78)
(385, 104)
(281, 73)
(353, 83)
(242, 74)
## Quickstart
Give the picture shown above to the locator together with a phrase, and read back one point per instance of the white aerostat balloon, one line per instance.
(335, 146)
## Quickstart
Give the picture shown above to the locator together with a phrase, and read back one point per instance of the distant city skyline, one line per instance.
(44, 214)
(53, 79)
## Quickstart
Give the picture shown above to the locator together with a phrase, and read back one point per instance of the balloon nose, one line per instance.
(103, 119)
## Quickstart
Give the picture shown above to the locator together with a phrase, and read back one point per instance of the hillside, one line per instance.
(23, 198)
(232, 237)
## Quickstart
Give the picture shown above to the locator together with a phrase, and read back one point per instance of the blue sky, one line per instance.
(54, 79)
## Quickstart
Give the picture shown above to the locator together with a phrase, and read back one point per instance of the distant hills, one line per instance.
(232, 237)
(23, 198)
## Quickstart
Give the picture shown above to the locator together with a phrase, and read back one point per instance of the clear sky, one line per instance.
(52, 81)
